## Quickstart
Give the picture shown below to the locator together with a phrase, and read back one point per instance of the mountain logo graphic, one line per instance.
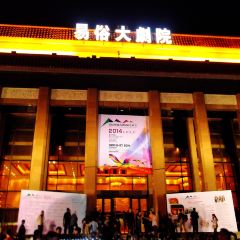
(109, 120)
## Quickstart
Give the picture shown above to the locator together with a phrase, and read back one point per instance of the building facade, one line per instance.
(54, 87)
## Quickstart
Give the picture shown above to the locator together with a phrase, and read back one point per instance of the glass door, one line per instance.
(121, 204)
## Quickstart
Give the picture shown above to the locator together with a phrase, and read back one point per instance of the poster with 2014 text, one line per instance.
(124, 143)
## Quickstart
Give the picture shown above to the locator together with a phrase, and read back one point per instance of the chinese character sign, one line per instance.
(142, 34)
(124, 142)
(81, 31)
(123, 34)
(163, 36)
(102, 32)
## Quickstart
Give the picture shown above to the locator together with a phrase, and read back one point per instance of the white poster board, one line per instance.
(54, 205)
(124, 142)
(219, 203)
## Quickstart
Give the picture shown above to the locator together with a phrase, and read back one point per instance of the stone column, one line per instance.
(91, 149)
(193, 155)
(158, 160)
(204, 142)
(2, 126)
(238, 109)
(237, 162)
(40, 149)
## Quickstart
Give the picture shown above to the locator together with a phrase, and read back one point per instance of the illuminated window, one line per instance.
(65, 176)
(224, 132)
(16, 154)
(177, 163)
(66, 168)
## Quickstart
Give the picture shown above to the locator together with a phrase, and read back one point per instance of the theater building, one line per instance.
(55, 84)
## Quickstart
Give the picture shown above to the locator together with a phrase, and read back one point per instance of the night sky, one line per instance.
(191, 17)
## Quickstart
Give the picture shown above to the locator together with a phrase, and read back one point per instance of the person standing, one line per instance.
(106, 230)
(8, 235)
(130, 221)
(66, 221)
(153, 218)
(181, 220)
(138, 223)
(40, 223)
(214, 221)
(58, 231)
(147, 224)
(93, 228)
(194, 219)
(73, 222)
(21, 231)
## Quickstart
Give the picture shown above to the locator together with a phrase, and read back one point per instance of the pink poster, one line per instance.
(124, 142)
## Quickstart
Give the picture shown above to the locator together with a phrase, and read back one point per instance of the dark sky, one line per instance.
(210, 17)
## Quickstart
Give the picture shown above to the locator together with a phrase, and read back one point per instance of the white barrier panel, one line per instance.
(54, 205)
(219, 203)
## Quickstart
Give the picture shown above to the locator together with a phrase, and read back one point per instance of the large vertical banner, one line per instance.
(124, 142)
(54, 205)
(219, 203)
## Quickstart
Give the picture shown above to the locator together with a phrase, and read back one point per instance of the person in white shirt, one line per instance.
(93, 228)
(40, 222)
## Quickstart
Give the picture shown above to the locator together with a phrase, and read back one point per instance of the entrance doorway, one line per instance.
(121, 204)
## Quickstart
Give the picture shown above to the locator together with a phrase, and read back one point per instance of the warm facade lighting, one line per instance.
(23, 169)
(116, 184)
(85, 48)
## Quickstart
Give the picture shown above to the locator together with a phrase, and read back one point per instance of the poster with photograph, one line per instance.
(124, 143)
(54, 205)
(215, 210)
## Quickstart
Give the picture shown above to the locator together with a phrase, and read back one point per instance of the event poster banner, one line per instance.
(54, 205)
(219, 203)
(124, 142)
